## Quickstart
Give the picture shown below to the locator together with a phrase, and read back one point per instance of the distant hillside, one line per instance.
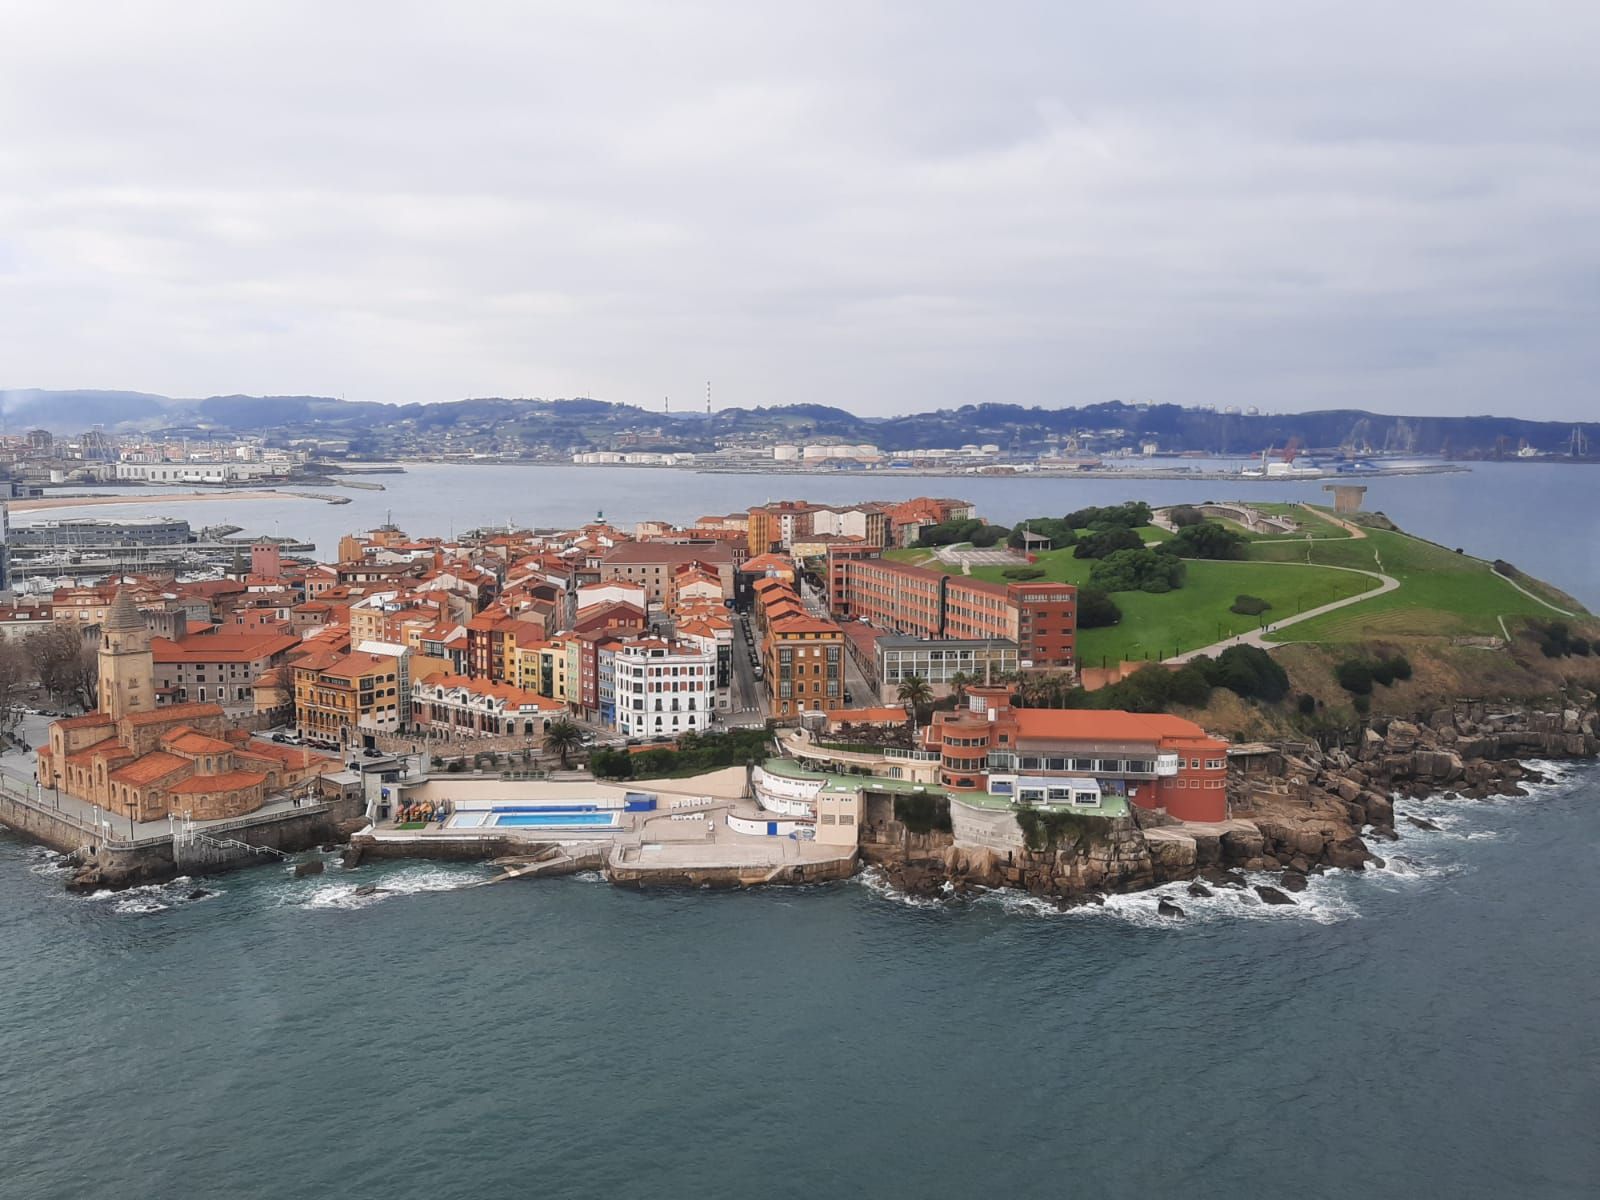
(510, 426)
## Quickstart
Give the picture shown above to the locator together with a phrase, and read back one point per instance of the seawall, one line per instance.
(224, 846)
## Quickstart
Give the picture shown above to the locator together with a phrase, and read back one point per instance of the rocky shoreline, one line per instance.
(1298, 809)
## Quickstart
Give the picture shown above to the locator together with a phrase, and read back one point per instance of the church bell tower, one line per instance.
(127, 669)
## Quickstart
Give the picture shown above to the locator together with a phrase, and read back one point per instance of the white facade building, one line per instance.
(664, 688)
(199, 471)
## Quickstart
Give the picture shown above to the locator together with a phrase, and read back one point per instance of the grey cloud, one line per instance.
(880, 206)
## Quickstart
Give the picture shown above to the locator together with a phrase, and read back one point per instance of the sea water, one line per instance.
(1427, 1029)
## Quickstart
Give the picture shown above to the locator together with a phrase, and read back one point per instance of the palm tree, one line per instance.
(916, 695)
(959, 683)
(563, 736)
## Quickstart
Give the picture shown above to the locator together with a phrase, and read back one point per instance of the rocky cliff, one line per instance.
(1297, 809)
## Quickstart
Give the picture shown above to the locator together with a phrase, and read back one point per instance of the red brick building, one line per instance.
(1155, 760)
(1041, 618)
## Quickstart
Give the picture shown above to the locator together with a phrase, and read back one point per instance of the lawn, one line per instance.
(1441, 593)
(1158, 626)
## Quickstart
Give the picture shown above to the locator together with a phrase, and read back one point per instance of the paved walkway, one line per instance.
(1257, 637)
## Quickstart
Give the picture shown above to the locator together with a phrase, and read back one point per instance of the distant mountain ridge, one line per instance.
(505, 425)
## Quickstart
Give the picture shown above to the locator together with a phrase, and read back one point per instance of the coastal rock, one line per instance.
(1271, 895)
(1199, 889)
(197, 894)
(1241, 845)
(1349, 853)
(1423, 823)
(1220, 878)
(1167, 908)
(1400, 737)
(314, 867)
(1293, 881)
(1379, 808)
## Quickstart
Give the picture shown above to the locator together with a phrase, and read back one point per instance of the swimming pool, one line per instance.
(590, 819)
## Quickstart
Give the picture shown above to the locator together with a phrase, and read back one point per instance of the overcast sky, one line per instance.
(877, 205)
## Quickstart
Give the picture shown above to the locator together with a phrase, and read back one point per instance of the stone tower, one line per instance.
(127, 670)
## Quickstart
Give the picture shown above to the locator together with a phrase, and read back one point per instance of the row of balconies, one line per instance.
(1145, 768)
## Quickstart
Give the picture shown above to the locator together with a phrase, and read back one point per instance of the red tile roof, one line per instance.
(148, 768)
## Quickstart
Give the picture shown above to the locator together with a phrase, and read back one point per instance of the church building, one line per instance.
(143, 762)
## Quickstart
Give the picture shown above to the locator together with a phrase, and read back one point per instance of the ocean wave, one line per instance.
(152, 897)
(876, 881)
(48, 862)
(138, 906)
(399, 883)
(1325, 901)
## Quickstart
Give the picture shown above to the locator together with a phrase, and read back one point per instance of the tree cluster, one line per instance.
(949, 533)
(1107, 542)
(1138, 571)
(695, 752)
(1248, 671)
(1131, 515)
(1058, 529)
(1208, 539)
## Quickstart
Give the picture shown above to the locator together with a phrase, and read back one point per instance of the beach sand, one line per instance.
(44, 503)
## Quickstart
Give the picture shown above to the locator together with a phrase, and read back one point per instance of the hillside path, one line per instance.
(1257, 637)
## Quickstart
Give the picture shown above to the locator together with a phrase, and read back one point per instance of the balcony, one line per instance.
(1167, 765)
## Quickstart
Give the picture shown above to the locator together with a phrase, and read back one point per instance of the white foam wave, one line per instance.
(400, 883)
(1324, 901)
(138, 905)
(876, 881)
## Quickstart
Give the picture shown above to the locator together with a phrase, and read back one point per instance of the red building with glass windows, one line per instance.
(1154, 760)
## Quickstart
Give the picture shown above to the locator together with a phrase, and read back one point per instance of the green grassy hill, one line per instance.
(1441, 593)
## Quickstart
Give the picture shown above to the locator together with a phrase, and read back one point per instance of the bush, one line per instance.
(986, 536)
(923, 814)
(1249, 606)
(1556, 640)
(1108, 542)
(1206, 540)
(1248, 671)
(1401, 666)
(1307, 704)
(1023, 573)
(695, 753)
(1138, 571)
(1363, 704)
(1185, 514)
(1045, 829)
(1382, 672)
(1096, 610)
(1354, 677)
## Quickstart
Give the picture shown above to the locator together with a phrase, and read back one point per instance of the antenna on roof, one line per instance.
(708, 397)
(666, 404)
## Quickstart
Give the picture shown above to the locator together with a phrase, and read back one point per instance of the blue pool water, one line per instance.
(589, 818)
